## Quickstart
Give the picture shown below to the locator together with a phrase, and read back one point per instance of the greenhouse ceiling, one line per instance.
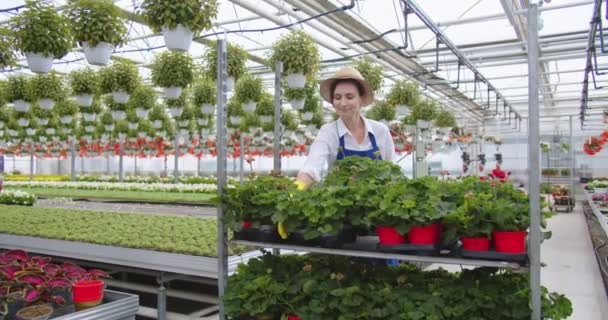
(490, 34)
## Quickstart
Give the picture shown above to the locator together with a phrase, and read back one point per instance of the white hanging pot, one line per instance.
(50, 131)
(178, 38)
(141, 112)
(1, 125)
(66, 119)
(122, 136)
(235, 120)
(43, 121)
(132, 125)
(207, 108)
(265, 119)
(119, 115)
(98, 55)
(307, 116)
(402, 110)
(89, 129)
(39, 63)
(84, 100)
(176, 112)
(22, 122)
(109, 127)
(42, 139)
(157, 124)
(30, 131)
(46, 104)
(89, 116)
(67, 130)
(141, 134)
(120, 96)
(55, 154)
(229, 83)
(172, 93)
(13, 133)
(105, 136)
(183, 123)
(202, 121)
(87, 138)
(21, 105)
(249, 106)
(297, 104)
(183, 132)
(296, 80)
(132, 139)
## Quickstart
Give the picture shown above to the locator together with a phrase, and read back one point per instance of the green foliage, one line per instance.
(294, 93)
(424, 110)
(41, 29)
(299, 53)
(249, 88)
(197, 15)
(444, 119)
(236, 57)
(48, 86)
(172, 69)
(404, 93)
(84, 81)
(6, 114)
(157, 113)
(265, 106)
(41, 113)
(7, 48)
(373, 73)
(66, 107)
(95, 21)
(119, 76)
(143, 97)
(382, 110)
(19, 88)
(204, 92)
(17, 197)
(288, 120)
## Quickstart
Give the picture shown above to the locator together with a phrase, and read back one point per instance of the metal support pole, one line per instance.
(165, 166)
(73, 159)
(241, 155)
(121, 173)
(31, 161)
(572, 160)
(176, 158)
(161, 300)
(222, 272)
(135, 164)
(534, 159)
(277, 116)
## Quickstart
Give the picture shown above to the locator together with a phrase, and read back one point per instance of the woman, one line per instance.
(350, 135)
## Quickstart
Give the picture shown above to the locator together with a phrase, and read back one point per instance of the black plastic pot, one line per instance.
(348, 234)
(330, 241)
(13, 307)
(297, 238)
(248, 234)
(268, 233)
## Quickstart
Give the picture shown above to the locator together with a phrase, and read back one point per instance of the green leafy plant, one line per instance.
(7, 48)
(48, 86)
(545, 147)
(294, 93)
(236, 57)
(382, 110)
(66, 108)
(119, 76)
(204, 92)
(299, 53)
(197, 15)
(172, 69)
(95, 21)
(41, 29)
(249, 88)
(424, 110)
(404, 93)
(84, 81)
(17, 197)
(19, 88)
(288, 120)
(565, 172)
(265, 106)
(444, 119)
(143, 97)
(373, 73)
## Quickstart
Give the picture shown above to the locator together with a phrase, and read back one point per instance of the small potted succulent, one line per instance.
(47, 89)
(84, 84)
(405, 96)
(204, 95)
(178, 22)
(42, 35)
(119, 78)
(7, 50)
(372, 73)
(248, 91)
(142, 101)
(300, 57)
(98, 26)
(236, 57)
(18, 92)
(172, 71)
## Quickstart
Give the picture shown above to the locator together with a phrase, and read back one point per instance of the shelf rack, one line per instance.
(601, 218)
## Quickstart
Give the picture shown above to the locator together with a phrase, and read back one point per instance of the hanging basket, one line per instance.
(43, 121)
(119, 115)
(50, 131)
(132, 125)
(98, 55)
(229, 84)
(120, 97)
(39, 63)
(249, 106)
(66, 119)
(46, 104)
(89, 129)
(21, 105)
(265, 119)
(307, 116)
(141, 112)
(22, 122)
(296, 80)
(176, 112)
(157, 124)
(297, 104)
(84, 100)
(30, 131)
(207, 108)
(236, 120)
(202, 121)
(109, 127)
(402, 110)
(172, 93)
(178, 38)
(90, 117)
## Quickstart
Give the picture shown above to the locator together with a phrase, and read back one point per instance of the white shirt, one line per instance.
(324, 149)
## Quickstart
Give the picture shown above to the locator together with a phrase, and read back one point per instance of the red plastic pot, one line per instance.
(87, 293)
(389, 235)
(247, 224)
(293, 318)
(475, 244)
(510, 241)
(425, 235)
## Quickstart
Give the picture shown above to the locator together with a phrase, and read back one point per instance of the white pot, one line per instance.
(141, 112)
(46, 104)
(50, 131)
(132, 126)
(119, 115)
(307, 116)
(30, 131)
(296, 80)
(22, 122)
(67, 130)
(402, 110)
(42, 139)
(207, 108)
(203, 121)
(183, 132)
(21, 105)
(229, 84)
(1, 125)
(55, 154)
(120, 97)
(600, 190)
(178, 38)
(297, 104)
(43, 121)
(183, 123)
(66, 119)
(122, 136)
(172, 93)
(89, 116)
(13, 133)
(87, 138)
(157, 124)
(98, 55)
(105, 136)
(109, 127)
(265, 119)
(249, 106)
(141, 134)
(175, 112)
(84, 100)
(39, 63)
(89, 129)
(236, 120)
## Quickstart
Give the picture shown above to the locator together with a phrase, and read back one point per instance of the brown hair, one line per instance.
(357, 84)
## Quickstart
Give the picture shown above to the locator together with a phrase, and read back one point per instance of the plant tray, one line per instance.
(493, 255)
(420, 249)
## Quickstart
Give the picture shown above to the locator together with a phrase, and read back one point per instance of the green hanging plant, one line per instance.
(445, 119)
(48, 86)
(119, 76)
(294, 93)
(288, 120)
(143, 97)
(121, 126)
(95, 21)
(187, 114)
(249, 88)
(105, 118)
(204, 92)
(196, 15)
(265, 106)
(41, 113)
(113, 106)
(19, 88)
(404, 93)
(172, 69)
(66, 108)
(157, 113)
(236, 57)
(6, 114)
(425, 110)
(84, 81)
(41, 29)
(382, 110)
(3, 93)
(299, 53)
(7, 48)
(372, 73)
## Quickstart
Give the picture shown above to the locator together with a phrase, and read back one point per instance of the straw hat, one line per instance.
(347, 73)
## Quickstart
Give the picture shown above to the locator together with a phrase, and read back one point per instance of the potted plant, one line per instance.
(99, 27)
(444, 119)
(142, 101)
(89, 114)
(235, 113)
(300, 56)
(296, 97)
(41, 34)
(176, 106)
(236, 57)
(382, 111)
(511, 219)
(373, 73)
(179, 23)
(248, 92)
(47, 89)
(471, 221)
(121, 79)
(172, 71)
(404, 95)
(7, 50)
(204, 95)
(84, 83)
(545, 147)
(66, 110)
(19, 92)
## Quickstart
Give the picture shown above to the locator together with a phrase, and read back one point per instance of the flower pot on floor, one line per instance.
(389, 235)
(35, 312)
(424, 234)
(178, 38)
(84, 100)
(98, 55)
(510, 241)
(87, 293)
(39, 63)
(475, 244)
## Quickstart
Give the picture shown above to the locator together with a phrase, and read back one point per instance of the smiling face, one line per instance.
(346, 99)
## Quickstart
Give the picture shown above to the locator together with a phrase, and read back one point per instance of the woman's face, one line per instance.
(347, 100)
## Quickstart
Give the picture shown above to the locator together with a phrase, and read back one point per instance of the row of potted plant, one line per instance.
(117, 186)
(311, 287)
(16, 197)
(555, 172)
